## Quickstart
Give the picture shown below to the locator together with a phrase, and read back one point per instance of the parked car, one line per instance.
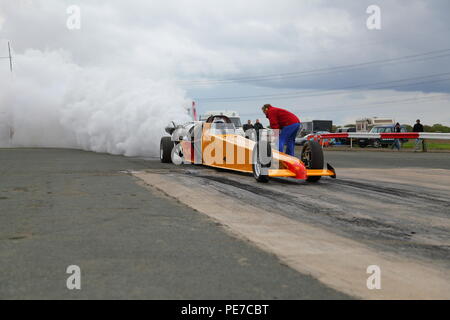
(344, 141)
(316, 137)
(381, 143)
(300, 140)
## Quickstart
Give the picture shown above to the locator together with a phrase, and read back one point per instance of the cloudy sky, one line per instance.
(317, 58)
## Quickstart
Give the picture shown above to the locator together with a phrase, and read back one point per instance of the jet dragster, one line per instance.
(215, 143)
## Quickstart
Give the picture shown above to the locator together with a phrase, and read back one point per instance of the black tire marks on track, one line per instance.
(333, 215)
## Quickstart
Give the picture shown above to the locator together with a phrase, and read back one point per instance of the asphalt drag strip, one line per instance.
(60, 208)
(394, 218)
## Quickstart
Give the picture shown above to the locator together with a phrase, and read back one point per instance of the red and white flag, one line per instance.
(194, 111)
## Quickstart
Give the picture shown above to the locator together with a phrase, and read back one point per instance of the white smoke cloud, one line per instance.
(81, 97)
(52, 102)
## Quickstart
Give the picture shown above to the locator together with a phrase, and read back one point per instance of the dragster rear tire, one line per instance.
(165, 149)
(261, 165)
(312, 157)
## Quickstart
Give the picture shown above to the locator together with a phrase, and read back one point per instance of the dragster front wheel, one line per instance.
(261, 161)
(312, 157)
(165, 149)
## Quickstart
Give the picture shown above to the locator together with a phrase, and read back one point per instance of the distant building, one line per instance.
(316, 126)
(366, 124)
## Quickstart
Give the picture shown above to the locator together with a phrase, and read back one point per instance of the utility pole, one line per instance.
(9, 57)
(8, 128)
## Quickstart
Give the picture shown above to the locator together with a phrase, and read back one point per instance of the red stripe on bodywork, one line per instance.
(298, 168)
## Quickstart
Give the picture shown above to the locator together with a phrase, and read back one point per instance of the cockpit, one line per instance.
(220, 125)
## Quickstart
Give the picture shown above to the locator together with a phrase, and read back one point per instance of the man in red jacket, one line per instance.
(285, 121)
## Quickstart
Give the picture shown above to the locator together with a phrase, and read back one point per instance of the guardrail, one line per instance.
(403, 135)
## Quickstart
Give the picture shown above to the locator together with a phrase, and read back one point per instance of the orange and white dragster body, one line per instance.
(234, 152)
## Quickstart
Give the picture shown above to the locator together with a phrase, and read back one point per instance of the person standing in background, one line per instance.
(418, 127)
(258, 126)
(397, 145)
(248, 129)
(287, 122)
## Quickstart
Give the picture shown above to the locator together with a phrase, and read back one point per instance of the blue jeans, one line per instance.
(287, 137)
(418, 143)
(397, 145)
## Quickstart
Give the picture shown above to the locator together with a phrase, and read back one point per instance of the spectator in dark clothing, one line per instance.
(397, 144)
(418, 127)
(258, 126)
(248, 129)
